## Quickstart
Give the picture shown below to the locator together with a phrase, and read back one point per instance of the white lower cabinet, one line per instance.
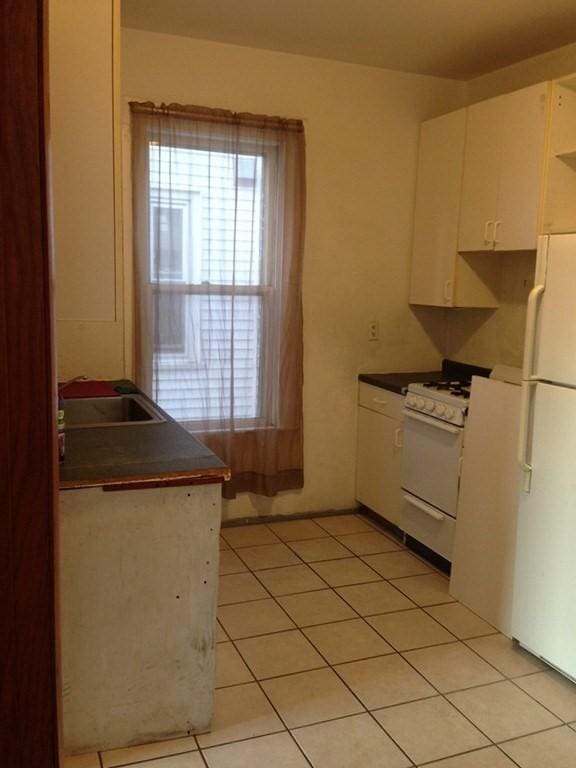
(379, 451)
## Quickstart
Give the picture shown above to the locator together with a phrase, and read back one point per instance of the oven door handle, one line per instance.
(423, 507)
(436, 423)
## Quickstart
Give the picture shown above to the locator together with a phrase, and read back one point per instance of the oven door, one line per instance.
(431, 460)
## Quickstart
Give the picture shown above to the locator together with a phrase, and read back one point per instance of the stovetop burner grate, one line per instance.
(457, 388)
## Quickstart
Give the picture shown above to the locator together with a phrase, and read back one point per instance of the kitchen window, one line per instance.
(218, 204)
(208, 223)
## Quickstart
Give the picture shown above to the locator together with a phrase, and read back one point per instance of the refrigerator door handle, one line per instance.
(530, 343)
(524, 435)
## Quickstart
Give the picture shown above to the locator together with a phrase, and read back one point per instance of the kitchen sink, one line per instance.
(124, 410)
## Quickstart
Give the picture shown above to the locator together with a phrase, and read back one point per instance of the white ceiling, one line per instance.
(459, 39)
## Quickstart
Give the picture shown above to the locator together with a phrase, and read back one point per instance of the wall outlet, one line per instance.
(373, 331)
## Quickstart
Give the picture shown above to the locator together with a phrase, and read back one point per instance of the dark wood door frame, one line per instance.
(28, 466)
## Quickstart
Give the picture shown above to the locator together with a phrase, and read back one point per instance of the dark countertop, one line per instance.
(397, 382)
(142, 455)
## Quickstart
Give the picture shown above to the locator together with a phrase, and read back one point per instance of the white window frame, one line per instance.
(265, 288)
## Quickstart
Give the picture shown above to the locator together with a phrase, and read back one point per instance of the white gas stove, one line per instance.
(444, 400)
(434, 419)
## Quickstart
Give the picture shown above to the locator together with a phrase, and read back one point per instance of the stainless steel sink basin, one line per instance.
(124, 410)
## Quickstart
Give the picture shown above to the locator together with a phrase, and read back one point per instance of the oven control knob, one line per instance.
(440, 409)
(411, 401)
(429, 406)
(420, 403)
(449, 413)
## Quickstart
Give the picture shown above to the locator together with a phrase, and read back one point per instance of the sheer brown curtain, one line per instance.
(219, 202)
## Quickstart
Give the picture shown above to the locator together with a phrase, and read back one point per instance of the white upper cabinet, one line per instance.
(440, 276)
(85, 187)
(480, 180)
(440, 160)
(503, 171)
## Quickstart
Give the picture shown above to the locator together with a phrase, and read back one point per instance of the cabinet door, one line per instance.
(478, 207)
(440, 161)
(379, 464)
(521, 168)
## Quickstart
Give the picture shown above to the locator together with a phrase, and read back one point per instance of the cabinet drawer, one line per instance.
(380, 400)
(437, 533)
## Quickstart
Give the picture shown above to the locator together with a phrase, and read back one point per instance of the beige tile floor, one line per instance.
(338, 648)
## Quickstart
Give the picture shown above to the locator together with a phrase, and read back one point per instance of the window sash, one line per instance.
(265, 417)
(192, 285)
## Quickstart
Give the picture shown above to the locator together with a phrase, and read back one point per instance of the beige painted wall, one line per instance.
(486, 337)
(361, 132)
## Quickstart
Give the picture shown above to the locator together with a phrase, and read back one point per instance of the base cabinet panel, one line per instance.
(138, 593)
(379, 460)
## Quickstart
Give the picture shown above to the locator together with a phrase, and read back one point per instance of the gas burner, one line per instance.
(457, 388)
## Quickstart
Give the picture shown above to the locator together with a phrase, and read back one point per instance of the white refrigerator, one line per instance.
(544, 604)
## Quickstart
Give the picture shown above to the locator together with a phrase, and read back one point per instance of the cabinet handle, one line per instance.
(397, 438)
(431, 422)
(495, 235)
(447, 291)
(423, 507)
(379, 401)
(487, 238)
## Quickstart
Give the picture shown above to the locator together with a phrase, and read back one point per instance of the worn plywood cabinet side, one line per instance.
(139, 573)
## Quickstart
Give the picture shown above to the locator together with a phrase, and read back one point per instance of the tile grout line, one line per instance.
(364, 617)
(561, 723)
(519, 677)
(278, 715)
(462, 754)
(394, 652)
(442, 695)
(331, 667)
(149, 759)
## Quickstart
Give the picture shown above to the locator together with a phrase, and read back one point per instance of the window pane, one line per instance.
(231, 219)
(170, 324)
(167, 236)
(247, 170)
(200, 387)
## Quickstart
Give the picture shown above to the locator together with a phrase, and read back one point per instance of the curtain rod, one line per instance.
(210, 115)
